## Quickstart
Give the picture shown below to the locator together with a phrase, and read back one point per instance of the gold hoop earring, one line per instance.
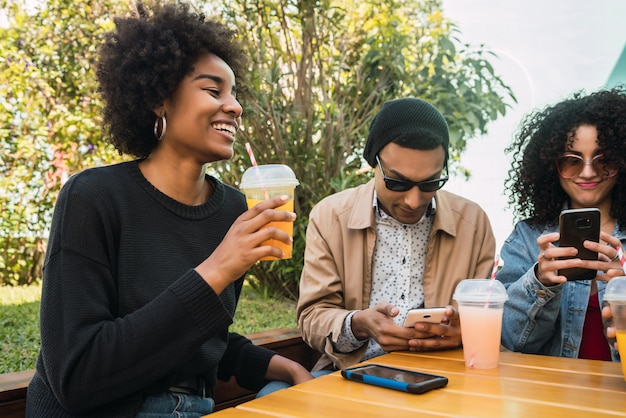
(163, 124)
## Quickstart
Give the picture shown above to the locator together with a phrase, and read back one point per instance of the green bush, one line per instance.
(21, 260)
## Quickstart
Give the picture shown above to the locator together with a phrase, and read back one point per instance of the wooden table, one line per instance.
(522, 386)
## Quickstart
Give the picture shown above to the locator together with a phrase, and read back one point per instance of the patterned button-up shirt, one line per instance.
(397, 272)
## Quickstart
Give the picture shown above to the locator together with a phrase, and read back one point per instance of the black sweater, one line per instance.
(123, 313)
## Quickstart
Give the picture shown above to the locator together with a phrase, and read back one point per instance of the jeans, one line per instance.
(278, 385)
(175, 405)
(180, 405)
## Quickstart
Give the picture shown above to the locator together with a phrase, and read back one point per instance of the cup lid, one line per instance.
(268, 175)
(616, 290)
(480, 290)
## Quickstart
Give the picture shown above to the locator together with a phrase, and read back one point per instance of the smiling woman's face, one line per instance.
(590, 188)
(203, 113)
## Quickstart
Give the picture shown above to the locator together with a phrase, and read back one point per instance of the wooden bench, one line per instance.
(13, 388)
(285, 341)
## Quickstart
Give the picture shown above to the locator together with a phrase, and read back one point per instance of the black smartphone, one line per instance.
(575, 227)
(393, 378)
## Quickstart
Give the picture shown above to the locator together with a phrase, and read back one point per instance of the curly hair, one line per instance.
(144, 59)
(532, 185)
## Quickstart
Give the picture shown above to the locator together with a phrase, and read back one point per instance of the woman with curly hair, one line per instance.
(567, 156)
(146, 259)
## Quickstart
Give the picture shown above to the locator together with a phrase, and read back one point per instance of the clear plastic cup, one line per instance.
(262, 182)
(615, 295)
(481, 304)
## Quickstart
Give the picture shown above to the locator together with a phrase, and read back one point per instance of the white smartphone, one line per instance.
(432, 315)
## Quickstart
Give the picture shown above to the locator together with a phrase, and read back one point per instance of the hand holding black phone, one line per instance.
(393, 378)
(577, 226)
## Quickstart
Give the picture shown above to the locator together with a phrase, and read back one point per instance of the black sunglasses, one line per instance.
(397, 185)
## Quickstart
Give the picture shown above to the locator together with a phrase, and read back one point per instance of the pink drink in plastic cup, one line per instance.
(481, 304)
(481, 329)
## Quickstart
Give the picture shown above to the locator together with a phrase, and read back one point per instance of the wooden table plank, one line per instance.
(595, 375)
(367, 401)
(240, 413)
(296, 403)
(567, 365)
(522, 385)
(538, 379)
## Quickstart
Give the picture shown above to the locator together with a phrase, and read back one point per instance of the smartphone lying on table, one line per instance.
(432, 315)
(575, 227)
(393, 378)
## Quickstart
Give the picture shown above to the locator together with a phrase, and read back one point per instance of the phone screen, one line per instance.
(394, 374)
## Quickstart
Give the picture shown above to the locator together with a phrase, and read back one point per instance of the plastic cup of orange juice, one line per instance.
(615, 295)
(262, 182)
(481, 305)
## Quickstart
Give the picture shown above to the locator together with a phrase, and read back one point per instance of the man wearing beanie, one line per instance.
(376, 251)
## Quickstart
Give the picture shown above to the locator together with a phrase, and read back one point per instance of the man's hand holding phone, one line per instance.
(440, 335)
(378, 323)
(430, 315)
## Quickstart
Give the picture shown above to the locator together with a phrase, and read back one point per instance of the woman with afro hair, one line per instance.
(567, 156)
(146, 259)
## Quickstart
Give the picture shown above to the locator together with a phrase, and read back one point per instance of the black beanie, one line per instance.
(402, 117)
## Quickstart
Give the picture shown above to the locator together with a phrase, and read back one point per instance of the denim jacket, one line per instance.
(539, 319)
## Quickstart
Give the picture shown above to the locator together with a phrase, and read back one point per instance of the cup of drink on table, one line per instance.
(262, 182)
(481, 305)
(615, 295)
